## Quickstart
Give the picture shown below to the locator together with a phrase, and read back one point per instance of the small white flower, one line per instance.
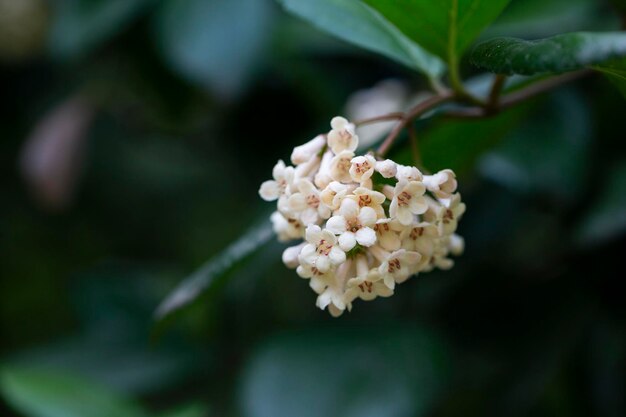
(334, 193)
(365, 197)
(421, 237)
(353, 225)
(387, 234)
(368, 283)
(362, 168)
(307, 203)
(456, 244)
(443, 184)
(395, 267)
(329, 285)
(340, 167)
(342, 137)
(307, 169)
(387, 168)
(450, 214)
(290, 256)
(404, 173)
(280, 186)
(408, 200)
(304, 153)
(322, 250)
(323, 178)
(286, 228)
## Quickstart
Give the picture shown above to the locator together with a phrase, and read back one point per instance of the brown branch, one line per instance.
(382, 118)
(412, 114)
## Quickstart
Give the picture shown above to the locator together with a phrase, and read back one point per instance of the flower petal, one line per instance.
(365, 236)
(336, 225)
(269, 190)
(347, 241)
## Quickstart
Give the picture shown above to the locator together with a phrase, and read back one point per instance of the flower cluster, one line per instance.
(366, 224)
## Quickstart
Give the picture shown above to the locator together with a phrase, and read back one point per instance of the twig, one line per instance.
(382, 118)
(415, 112)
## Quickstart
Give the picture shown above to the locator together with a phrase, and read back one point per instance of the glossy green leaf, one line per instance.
(43, 393)
(561, 53)
(616, 72)
(359, 24)
(80, 25)
(348, 372)
(444, 27)
(606, 219)
(215, 44)
(213, 272)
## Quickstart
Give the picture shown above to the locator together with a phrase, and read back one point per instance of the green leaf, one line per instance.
(549, 153)
(540, 18)
(350, 371)
(616, 72)
(191, 410)
(606, 220)
(43, 393)
(457, 144)
(214, 271)
(80, 25)
(444, 27)
(215, 44)
(561, 53)
(355, 22)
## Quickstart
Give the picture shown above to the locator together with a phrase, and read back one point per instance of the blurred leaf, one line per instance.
(214, 271)
(606, 220)
(80, 25)
(43, 393)
(215, 44)
(561, 53)
(549, 153)
(457, 144)
(357, 23)
(540, 18)
(191, 410)
(350, 371)
(444, 27)
(616, 72)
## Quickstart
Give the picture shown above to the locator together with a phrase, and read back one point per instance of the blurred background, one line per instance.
(135, 135)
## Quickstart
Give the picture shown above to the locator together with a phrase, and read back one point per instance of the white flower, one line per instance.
(368, 284)
(387, 234)
(407, 200)
(340, 167)
(290, 256)
(329, 285)
(322, 250)
(450, 213)
(404, 173)
(323, 178)
(342, 137)
(286, 228)
(456, 244)
(365, 197)
(307, 203)
(307, 169)
(362, 168)
(334, 193)
(353, 225)
(421, 237)
(442, 184)
(395, 267)
(304, 153)
(387, 168)
(280, 186)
